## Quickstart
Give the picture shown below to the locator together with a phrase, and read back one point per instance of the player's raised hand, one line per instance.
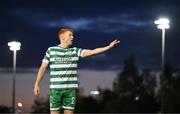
(115, 42)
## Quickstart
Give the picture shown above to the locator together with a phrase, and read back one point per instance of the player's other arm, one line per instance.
(40, 75)
(88, 52)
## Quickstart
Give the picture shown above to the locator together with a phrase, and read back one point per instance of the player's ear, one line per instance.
(61, 37)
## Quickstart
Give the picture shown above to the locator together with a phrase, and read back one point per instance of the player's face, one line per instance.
(68, 38)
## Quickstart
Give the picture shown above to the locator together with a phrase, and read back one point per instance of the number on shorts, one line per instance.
(73, 100)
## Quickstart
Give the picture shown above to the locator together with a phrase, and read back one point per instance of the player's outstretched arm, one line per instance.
(40, 75)
(88, 52)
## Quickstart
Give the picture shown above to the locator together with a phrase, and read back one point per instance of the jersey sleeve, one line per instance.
(79, 52)
(46, 57)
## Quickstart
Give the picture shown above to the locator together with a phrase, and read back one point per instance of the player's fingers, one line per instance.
(36, 92)
(117, 41)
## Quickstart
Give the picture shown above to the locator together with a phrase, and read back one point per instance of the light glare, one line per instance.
(14, 46)
(162, 23)
(163, 26)
(19, 104)
(94, 93)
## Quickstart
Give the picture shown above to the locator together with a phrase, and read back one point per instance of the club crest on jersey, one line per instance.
(70, 52)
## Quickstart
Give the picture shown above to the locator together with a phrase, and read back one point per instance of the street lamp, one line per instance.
(162, 23)
(94, 92)
(19, 107)
(14, 46)
(19, 104)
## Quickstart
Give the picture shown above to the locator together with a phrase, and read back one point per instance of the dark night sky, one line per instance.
(96, 23)
(35, 24)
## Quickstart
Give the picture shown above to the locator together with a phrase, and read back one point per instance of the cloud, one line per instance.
(79, 24)
(122, 22)
(114, 23)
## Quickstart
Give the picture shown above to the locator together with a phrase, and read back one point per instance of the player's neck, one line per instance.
(63, 45)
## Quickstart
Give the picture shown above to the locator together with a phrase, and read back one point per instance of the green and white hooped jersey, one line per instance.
(63, 64)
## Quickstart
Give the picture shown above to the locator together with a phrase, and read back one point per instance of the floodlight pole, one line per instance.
(163, 23)
(14, 46)
(163, 68)
(14, 79)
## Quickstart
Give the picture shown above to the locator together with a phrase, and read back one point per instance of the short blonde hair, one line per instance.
(63, 30)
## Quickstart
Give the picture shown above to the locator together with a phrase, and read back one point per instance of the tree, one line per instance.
(170, 91)
(176, 92)
(5, 109)
(135, 91)
(148, 102)
(149, 82)
(107, 100)
(127, 86)
(128, 80)
(87, 105)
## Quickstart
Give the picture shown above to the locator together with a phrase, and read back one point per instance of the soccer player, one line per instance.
(63, 62)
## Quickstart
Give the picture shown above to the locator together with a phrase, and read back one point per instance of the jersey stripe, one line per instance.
(63, 72)
(63, 79)
(63, 82)
(63, 65)
(64, 86)
(63, 75)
